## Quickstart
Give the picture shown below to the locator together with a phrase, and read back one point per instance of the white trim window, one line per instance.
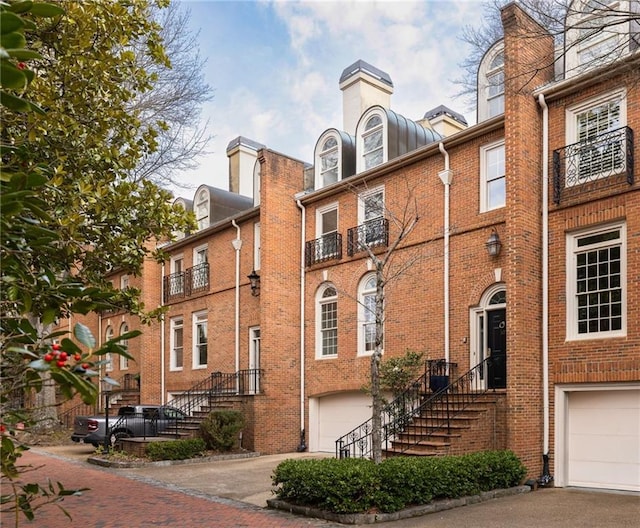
(176, 361)
(108, 336)
(327, 322)
(200, 340)
(328, 160)
(124, 282)
(124, 343)
(367, 315)
(597, 153)
(372, 140)
(596, 283)
(200, 271)
(327, 232)
(371, 209)
(492, 176)
(176, 282)
(202, 209)
(256, 246)
(491, 83)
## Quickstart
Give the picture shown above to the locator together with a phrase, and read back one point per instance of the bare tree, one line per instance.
(556, 18)
(173, 105)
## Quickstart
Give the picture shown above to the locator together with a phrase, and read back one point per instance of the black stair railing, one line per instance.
(426, 407)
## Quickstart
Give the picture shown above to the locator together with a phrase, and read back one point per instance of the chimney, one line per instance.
(242, 154)
(444, 121)
(363, 86)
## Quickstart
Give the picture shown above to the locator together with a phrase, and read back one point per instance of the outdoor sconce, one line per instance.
(254, 280)
(493, 244)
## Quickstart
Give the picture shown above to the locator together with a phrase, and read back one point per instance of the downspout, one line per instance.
(446, 176)
(546, 478)
(237, 245)
(162, 342)
(303, 446)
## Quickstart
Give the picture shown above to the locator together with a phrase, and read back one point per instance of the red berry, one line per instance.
(56, 346)
(77, 357)
(85, 366)
(21, 65)
(60, 363)
(63, 356)
(48, 357)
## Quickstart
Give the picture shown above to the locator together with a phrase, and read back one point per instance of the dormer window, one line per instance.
(202, 209)
(491, 83)
(597, 32)
(372, 141)
(329, 162)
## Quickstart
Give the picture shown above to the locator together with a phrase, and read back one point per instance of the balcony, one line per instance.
(327, 247)
(186, 283)
(371, 234)
(603, 156)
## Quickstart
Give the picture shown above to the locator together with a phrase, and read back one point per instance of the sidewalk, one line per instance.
(248, 481)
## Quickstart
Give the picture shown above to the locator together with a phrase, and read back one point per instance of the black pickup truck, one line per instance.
(131, 421)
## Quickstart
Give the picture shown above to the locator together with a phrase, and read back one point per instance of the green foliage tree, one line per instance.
(68, 212)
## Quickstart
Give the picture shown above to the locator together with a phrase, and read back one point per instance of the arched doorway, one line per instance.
(489, 337)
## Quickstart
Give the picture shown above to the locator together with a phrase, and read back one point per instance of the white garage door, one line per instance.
(603, 439)
(338, 414)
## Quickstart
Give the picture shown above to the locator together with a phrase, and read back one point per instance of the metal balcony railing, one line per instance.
(371, 234)
(327, 247)
(186, 283)
(602, 156)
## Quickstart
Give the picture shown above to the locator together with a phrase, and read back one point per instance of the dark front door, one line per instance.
(497, 348)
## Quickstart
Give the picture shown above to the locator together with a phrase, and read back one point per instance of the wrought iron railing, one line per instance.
(431, 399)
(327, 247)
(602, 156)
(185, 283)
(371, 234)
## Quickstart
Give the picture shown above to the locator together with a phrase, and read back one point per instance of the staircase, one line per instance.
(435, 417)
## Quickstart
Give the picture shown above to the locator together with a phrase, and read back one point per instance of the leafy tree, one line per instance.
(555, 18)
(68, 212)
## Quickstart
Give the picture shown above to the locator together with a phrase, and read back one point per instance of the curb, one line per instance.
(407, 513)
(125, 464)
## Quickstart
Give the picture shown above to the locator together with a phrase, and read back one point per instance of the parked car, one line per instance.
(131, 421)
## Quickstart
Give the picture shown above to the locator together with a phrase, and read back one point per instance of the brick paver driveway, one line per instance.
(116, 501)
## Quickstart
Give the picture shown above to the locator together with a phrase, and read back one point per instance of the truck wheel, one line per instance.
(117, 435)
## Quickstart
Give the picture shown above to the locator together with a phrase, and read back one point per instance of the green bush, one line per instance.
(358, 485)
(220, 429)
(176, 449)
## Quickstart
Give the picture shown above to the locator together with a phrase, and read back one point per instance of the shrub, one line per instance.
(220, 429)
(176, 449)
(358, 485)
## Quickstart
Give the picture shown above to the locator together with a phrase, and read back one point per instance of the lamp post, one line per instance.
(106, 385)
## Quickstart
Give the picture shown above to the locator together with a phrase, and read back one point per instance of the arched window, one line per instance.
(327, 322)
(491, 83)
(327, 160)
(124, 361)
(202, 209)
(108, 336)
(367, 315)
(597, 32)
(372, 142)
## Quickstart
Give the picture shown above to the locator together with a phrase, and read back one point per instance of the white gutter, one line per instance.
(446, 176)
(545, 271)
(302, 445)
(237, 245)
(162, 343)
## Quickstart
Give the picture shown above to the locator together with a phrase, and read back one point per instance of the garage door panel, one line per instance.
(603, 439)
(338, 414)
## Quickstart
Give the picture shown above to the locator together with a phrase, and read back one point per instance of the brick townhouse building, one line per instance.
(521, 275)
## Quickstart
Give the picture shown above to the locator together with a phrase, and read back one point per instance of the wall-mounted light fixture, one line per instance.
(493, 244)
(254, 280)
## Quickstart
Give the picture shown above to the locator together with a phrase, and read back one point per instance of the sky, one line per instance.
(274, 67)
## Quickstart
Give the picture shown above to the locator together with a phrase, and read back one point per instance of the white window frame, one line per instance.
(177, 268)
(362, 133)
(321, 302)
(484, 86)
(177, 323)
(201, 206)
(572, 113)
(257, 182)
(108, 336)
(366, 317)
(484, 176)
(323, 250)
(321, 153)
(573, 250)
(124, 343)
(124, 281)
(256, 246)
(362, 203)
(199, 318)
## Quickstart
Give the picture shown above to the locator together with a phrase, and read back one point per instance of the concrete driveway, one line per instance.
(249, 481)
